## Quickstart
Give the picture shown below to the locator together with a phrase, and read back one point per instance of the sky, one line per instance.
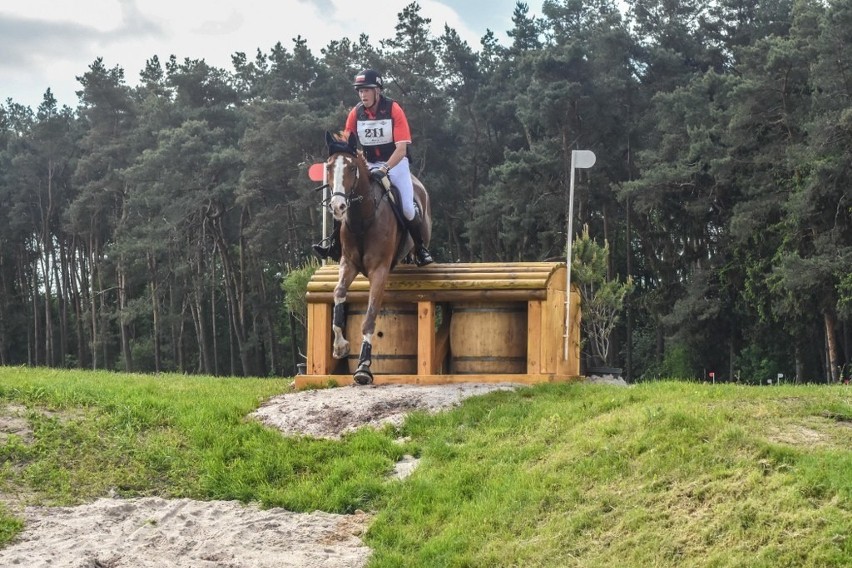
(48, 43)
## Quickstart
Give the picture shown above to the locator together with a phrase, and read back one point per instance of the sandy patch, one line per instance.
(13, 422)
(159, 533)
(330, 413)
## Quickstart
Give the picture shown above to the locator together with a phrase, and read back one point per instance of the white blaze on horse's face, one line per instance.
(342, 175)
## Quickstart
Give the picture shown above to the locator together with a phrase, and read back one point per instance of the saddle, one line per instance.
(394, 199)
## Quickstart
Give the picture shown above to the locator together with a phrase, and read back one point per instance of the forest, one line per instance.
(155, 226)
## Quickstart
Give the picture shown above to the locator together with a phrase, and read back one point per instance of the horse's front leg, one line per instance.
(378, 279)
(346, 274)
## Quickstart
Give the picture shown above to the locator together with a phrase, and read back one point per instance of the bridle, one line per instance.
(348, 195)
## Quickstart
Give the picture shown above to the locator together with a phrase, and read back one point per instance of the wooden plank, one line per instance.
(553, 324)
(425, 338)
(543, 275)
(319, 339)
(442, 344)
(574, 337)
(534, 337)
(472, 271)
(447, 283)
(460, 267)
(435, 296)
(303, 381)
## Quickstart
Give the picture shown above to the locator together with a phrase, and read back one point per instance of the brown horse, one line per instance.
(372, 236)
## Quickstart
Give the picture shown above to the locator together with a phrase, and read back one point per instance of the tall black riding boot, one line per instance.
(331, 251)
(422, 257)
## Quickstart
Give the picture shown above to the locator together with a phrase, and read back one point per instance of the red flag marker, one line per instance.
(315, 172)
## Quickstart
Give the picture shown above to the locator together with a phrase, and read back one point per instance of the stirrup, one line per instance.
(422, 257)
(321, 251)
(331, 251)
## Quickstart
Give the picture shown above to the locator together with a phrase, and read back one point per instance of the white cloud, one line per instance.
(44, 43)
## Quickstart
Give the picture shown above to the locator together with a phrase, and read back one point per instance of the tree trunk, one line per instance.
(4, 289)
(628, 254)
(214, 326)
(731, 354)
(123, 316)
(35, 360)
(233, 298)
(45, 257)
(62, 287)
(93, 306)
(77, 300)
(155, 311)
(197, 309)
(833, 371)
(48, 312)
(103, 321)
(799, 354)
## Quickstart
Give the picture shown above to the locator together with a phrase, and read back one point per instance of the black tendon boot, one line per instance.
(422, 257)
(331, 251)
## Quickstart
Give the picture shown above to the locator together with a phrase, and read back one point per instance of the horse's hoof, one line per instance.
(340, 351)
(363, 376)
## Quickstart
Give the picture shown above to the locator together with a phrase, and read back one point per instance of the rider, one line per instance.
(382, 130)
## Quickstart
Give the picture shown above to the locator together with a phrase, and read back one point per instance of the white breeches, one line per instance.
(400, 176)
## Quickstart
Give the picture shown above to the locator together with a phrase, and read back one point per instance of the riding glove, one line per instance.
(381, 176)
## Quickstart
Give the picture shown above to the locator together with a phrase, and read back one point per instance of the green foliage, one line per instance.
(844, 294)
(756, 367)
(678, 362)
(295, 286)
(601, 299)
(10, 525)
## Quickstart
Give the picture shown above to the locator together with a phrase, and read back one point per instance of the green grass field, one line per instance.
(659, 474)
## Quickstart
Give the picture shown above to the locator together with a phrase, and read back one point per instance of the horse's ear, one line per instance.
(353, 141)
(336, 144)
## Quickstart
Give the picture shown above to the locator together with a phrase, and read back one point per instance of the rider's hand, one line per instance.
(381, 176)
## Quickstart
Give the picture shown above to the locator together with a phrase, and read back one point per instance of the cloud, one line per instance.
(27, 41)
(44, 43)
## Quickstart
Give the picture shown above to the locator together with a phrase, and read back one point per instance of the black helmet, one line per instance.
(368, 78)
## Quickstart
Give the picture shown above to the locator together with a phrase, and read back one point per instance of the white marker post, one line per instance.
(579, 159)
(317, 172)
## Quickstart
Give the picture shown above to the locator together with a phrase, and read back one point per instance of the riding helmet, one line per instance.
(368, 78)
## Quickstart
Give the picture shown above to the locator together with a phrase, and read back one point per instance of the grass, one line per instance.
(662, 474)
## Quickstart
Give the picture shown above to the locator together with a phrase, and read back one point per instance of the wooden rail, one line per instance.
(538, 288)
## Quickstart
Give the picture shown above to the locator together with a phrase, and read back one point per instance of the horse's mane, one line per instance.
(362, 160)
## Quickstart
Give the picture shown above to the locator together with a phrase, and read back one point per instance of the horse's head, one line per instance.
(342, 172)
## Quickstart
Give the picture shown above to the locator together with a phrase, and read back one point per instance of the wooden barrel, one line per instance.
(394, 340)
(488, 338)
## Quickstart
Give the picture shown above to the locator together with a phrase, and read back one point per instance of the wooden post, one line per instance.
(319, 339)
(426, 338)
(534, 339)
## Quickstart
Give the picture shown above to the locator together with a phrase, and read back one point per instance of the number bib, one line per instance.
(375, 132)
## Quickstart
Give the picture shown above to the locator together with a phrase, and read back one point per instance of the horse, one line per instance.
(372, 236)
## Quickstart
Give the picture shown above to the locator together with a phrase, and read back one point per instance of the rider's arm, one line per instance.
(401, 135)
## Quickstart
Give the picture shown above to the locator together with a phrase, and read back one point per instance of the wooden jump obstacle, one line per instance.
(448, 323)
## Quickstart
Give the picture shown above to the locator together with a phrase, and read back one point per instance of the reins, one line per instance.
(352, 198)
